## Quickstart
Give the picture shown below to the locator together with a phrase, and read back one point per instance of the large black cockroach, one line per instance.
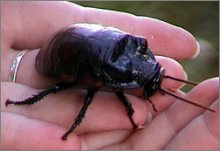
(95, 56)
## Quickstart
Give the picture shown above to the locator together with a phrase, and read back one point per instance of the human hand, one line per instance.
(45, 122)
(180, 126)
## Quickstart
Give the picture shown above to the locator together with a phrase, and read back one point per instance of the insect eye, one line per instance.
(142, 49)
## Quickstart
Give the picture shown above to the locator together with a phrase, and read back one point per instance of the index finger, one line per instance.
(45, 18)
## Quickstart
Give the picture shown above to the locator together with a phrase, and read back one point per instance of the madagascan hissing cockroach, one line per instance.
(95, 56)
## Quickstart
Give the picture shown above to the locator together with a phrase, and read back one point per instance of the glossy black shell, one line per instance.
(103, 55)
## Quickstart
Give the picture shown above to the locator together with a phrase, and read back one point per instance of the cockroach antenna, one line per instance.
(180, 80)
(182, 99)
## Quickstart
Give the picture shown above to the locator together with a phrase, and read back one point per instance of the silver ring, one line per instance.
(15, 65)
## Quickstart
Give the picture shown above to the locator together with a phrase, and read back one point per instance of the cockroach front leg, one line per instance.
(127, 105)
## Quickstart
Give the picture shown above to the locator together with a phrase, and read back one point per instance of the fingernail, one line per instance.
(149, 117)
(185, 77)
(197, 50)
(140, 127)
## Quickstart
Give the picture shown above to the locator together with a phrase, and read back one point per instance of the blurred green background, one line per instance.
(201, 18)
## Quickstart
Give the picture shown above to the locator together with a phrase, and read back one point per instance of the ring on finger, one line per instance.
(15, 66)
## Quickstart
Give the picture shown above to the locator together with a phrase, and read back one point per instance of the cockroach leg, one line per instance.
(87, 101)
(35, 98)
(154, 107)
(127, 105)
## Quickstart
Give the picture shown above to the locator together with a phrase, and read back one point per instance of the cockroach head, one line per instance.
(151, 86)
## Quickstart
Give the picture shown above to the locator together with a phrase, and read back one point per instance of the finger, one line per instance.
(36, 21)
(205, 94)
(33, 27)
(165, 126)
(176, 116)
(34, 80)
(28, 32)
(61, 108)
(97, 141)
(28, 75)
(24, 36)
(163, 38)
(206, 129)
(174, 69)
(67, 104)
(21, 133)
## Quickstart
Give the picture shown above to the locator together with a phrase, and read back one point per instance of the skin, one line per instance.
(177, 125)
